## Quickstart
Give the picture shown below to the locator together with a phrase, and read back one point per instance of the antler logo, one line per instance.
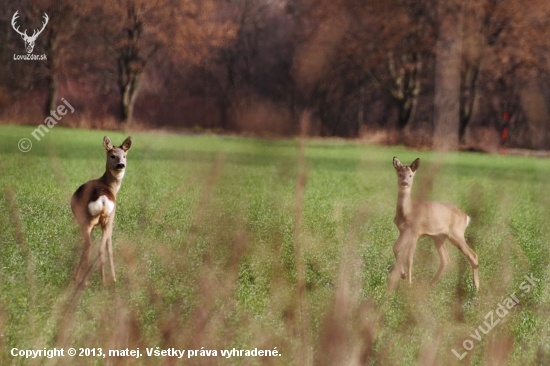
(29, 41)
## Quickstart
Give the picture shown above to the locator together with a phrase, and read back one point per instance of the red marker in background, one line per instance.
(504, 133)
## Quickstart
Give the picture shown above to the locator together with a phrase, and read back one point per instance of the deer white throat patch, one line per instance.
(118, 174)
(102, 205)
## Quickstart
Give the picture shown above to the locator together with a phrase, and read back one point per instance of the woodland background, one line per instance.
(424, 73)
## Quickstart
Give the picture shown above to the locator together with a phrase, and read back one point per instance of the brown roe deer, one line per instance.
(438, 220)
(94, 204)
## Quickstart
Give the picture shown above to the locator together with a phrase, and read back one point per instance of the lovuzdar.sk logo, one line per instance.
(29, 40)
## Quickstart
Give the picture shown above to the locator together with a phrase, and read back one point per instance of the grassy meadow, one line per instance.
(225, 243)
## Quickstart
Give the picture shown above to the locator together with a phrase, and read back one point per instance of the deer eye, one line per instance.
(112, 156)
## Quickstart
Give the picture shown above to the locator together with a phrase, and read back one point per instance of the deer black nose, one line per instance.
(120, 166)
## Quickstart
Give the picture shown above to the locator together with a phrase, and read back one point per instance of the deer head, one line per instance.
(29, 40)
(405, 173)
(116, 156)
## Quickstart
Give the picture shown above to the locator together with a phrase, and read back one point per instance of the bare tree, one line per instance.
(497, 40)
(447, 75)
(501, 39)
(389, 54)
(66, 18)
(407, 44)
(235, 64)
(136, 30)
(53, 25)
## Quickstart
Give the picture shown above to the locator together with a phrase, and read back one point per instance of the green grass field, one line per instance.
(229, 242)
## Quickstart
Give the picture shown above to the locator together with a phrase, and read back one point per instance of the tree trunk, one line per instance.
(468, 97)
(406, 88)
(52, 73)
(126, 106)
(406, 109)
(361, 103)
(536, 112)
(447, 76)
(128, 83)
(225, 112)
(131, 64)
(51, 99)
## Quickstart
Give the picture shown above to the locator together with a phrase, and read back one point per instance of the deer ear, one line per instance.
(415, 164)
(107, 144)
(396, 163)
(127, 144)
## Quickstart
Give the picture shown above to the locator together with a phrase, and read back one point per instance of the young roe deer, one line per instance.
(438, 220)
(94, 203)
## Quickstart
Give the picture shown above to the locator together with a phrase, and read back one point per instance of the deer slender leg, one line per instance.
(399, 250)
(458, 240)
(397, 247)
(444, 259)
(82, 269)
(102, 247)
(110, 252)
(411, 248)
